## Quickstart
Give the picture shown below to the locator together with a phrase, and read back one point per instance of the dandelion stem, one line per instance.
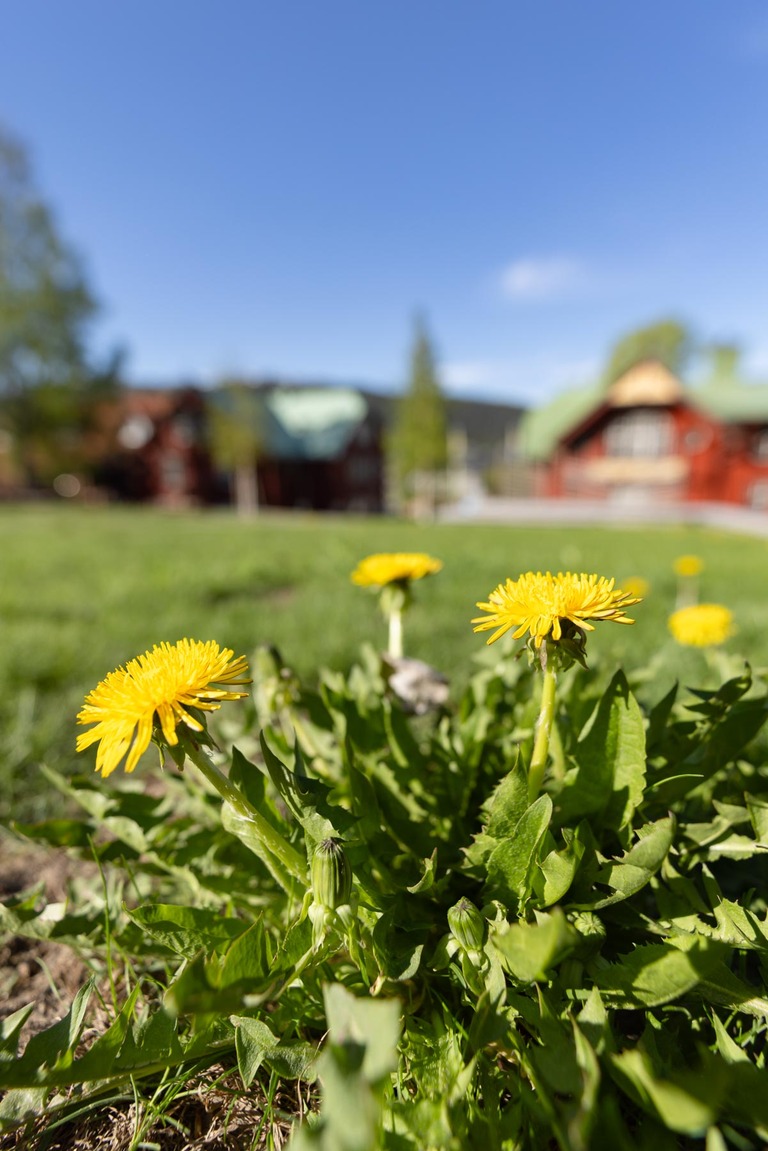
(270, 836)
(543, 730)
(395, 645)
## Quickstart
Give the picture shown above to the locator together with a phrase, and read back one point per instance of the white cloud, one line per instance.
(540, 277)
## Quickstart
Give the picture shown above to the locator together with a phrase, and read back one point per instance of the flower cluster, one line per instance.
(637, 586)
(701, 624)
(394, 567)
(158, 687)
(541, 605)
(688, 566)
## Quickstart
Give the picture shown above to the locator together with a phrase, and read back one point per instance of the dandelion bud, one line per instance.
(467, 925)
(331, 875)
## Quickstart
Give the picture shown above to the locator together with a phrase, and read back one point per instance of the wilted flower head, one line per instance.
(701, 624)
(157, 688)
(688, 565)
(543, 604)
(394, 567)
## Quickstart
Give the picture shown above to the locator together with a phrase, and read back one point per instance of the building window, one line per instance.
(185, 430)
(697, 439)
(760, 446)
(641, 432)
(758, 495)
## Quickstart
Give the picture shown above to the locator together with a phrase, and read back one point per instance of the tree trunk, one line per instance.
(246, 489)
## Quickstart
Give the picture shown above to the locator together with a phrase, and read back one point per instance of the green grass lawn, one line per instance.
(83, 590)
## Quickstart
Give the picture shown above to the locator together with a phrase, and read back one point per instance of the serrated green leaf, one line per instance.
(186, 930)
(20, 1105)
(508, 803)
(373, 1024)
(97, 1063)
(247, 777)
(726, 1046)
(512, 864)
(93, 800)
(609, 779)
(427, 877)
(593, 1021)
(557, 871)
(529, 950)
(305, 798)
(10, 1027)
(734, 847)
(674, 1104)
(294, 1061)
(658, 718)
(253, 1041)
(57, 832)
(126, 831)
(637, 866)
(247, 958)
(757, 807)
(152, 1041)
(54, 1047)
(49, 1052)
(657, 973)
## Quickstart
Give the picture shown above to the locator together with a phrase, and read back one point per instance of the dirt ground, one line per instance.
(37, 971)
(212, 1112)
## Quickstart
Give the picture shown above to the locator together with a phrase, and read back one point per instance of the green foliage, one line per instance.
(418, 443)
(84, 589)
(667, 341)
(235, 422)
(580, 971)
(46, 384)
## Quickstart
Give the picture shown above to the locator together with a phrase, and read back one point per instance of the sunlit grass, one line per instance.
(82, 590)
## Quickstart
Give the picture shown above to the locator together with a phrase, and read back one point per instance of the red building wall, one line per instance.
(702, 459)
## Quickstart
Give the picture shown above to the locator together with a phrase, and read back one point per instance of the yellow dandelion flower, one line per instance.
(636, 585)
(394, 567)
(157, 688)
(688, 565)
(540, 604)
(701, 624)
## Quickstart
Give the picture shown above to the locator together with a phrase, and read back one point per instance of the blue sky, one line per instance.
(277, 188)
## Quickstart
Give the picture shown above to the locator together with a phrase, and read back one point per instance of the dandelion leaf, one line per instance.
(609, 778)
(511, 865)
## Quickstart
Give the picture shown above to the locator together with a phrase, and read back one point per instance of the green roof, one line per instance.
(541, 428)
(293, 423)
(731, 402)
(314, 423)
(727, 399)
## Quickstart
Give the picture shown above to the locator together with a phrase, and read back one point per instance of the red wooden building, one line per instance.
(649, 438)
(318, 448)
(151, 445)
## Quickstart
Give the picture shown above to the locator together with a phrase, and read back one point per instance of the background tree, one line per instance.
(667, 341)
(419, 438)
(46, 385)
(235, 431)
(724, 362)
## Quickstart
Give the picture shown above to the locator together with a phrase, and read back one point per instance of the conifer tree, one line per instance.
(419, 439)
